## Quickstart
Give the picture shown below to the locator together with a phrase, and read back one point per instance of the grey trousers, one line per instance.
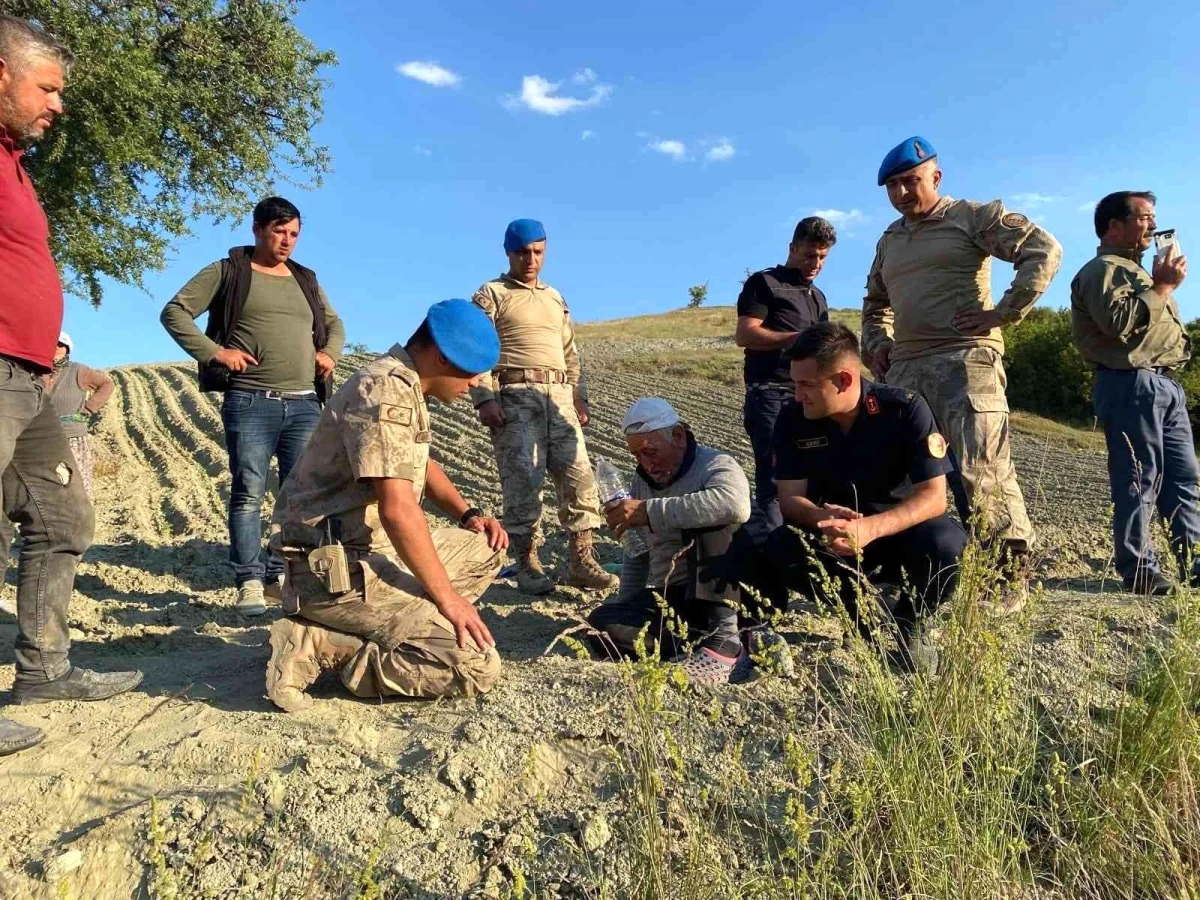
(43, 495)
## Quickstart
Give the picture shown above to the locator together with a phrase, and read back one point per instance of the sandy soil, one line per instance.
(446, 795)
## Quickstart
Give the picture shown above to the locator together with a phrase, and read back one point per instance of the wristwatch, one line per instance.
(467, 516)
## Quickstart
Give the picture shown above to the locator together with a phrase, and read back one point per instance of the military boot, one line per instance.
(584, 569)
(299, 651)
(531, 577)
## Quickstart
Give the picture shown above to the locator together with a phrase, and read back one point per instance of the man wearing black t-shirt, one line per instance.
(775, 305)
(861, 470)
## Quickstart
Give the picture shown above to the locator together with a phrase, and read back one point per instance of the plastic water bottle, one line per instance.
(612, 490)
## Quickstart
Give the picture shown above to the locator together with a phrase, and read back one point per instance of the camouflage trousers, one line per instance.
(966, 391)
(411, 649)
(541, 433)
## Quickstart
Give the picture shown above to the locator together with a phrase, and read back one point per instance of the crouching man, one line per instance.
(861, 471)
(691, 499)
(398, 619)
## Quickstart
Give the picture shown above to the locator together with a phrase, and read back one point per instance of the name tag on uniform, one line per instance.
(812, 443)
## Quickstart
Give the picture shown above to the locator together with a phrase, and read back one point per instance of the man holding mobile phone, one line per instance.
(1128, 327)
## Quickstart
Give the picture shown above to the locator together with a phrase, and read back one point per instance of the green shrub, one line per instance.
(1046, 374)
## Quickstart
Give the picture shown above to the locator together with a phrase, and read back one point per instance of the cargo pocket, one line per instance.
(985, 382)
(394, 601)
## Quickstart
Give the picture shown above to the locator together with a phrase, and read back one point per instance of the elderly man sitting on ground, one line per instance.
(691, 499)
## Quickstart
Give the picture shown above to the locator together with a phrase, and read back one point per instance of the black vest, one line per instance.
(226, 309)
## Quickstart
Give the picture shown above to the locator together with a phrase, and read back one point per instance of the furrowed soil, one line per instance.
(195, 784)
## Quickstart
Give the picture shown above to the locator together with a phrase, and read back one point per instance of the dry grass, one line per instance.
(705, 322)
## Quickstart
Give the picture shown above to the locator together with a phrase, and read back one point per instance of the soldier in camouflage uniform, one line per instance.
(929, 326)
(535, 403)
(406, 626)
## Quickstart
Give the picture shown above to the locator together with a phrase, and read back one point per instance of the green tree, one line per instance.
(697, 294)
(1046, 373)
(175, 109)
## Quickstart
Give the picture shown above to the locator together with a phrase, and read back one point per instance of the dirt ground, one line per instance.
(441, 797)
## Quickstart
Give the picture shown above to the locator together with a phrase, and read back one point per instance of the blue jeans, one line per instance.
(258, 427)
(763, 403)
(1151, 465)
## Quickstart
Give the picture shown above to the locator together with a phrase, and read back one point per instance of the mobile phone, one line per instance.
(1165, 244)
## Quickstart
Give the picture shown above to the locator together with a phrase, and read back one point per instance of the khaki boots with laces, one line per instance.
(584, 569)
(300, 650)
(531, 577)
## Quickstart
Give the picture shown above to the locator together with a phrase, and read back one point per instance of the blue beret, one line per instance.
(523, 232)
(464, 334)
(905, 156)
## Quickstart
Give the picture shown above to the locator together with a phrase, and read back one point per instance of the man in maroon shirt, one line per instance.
(39, 484)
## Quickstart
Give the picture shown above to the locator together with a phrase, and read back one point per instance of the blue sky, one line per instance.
(669, 143)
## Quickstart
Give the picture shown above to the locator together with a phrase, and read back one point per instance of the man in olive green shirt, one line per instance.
(271, 346)
(1127, 326)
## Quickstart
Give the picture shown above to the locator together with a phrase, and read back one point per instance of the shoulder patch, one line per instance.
(937, 445)
(395, 415)
(872, 405)
(1013, 220)
(812, 443)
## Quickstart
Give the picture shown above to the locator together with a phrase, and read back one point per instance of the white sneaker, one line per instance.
(251, 601)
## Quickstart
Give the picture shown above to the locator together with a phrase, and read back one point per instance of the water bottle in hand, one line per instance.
(612, 490)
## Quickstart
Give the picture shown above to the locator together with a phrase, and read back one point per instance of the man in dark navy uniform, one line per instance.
(861, 473)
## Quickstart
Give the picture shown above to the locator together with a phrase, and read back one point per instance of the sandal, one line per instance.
(707, 668)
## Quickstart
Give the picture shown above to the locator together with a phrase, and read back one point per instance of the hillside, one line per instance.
(195, 785)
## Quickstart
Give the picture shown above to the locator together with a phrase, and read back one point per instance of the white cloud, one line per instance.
(1086, 207)
(1035, 199)
(842, 218)
(674, 149)
(587, 135)
(430, 73)
(722, 151)
(422, 151)
(584, 76)
(542, 96)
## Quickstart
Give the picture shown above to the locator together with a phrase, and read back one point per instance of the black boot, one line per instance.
(14, 736)
(77, 684)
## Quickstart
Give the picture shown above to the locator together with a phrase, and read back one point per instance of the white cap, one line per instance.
(649, 414)
(65, 340)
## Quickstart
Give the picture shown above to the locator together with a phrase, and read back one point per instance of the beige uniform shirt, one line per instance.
(1119, 321)
(375, 426)
(926, 271)
(535, 331)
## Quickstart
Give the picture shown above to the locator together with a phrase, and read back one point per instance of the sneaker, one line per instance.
(1011, 595)
(251, 599)
(15, 737)
(1148, 583)
(708, 668)
(77, 684)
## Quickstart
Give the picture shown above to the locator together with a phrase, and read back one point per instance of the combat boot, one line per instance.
(584, 569)
(531, 577)
(299, 651)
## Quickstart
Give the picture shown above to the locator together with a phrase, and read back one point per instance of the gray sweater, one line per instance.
(711, 492)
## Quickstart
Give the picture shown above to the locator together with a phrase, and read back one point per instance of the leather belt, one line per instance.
(531, 376)
(289, 395)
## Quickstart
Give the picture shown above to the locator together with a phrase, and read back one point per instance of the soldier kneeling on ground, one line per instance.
(368, 588)
(691, 501)
(861, 471)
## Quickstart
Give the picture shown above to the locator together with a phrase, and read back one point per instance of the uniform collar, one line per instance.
(1126, 252)
(398, 352)
(508, 279)
(938, 212)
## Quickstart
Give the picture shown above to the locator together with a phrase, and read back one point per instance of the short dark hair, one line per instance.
(274, 211)
(815, 230)
(1116, 206)
(826, 342)
(22, 40)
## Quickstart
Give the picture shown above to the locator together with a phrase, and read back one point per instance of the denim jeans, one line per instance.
(1151, 465)
(763, 403)
(257, 428)
(43, 495)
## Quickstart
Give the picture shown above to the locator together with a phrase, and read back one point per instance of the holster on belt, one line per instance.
(328, 563)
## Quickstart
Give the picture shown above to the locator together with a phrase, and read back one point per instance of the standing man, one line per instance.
(929, 326)
(775, 305)
(398, 619)
(1128, 328)
(78, 393)
(271, 344)
(861, 469)
(41, 488)
(535, 403)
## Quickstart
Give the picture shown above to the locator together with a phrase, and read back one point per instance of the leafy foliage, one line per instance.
(175, 109)
(1046, 373)
(697, 294)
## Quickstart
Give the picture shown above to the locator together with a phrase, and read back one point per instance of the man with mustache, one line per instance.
(399, 620)
(1128, 327)
(42, 489)
(929, 326)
